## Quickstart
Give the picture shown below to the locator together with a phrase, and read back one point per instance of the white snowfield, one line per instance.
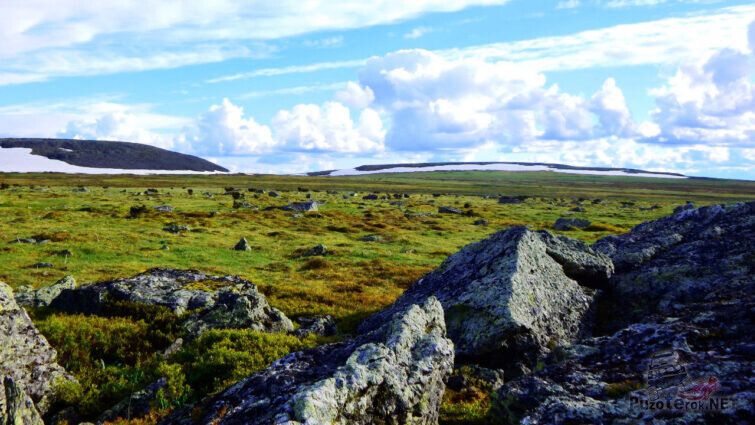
(499, 167)
(21, 160)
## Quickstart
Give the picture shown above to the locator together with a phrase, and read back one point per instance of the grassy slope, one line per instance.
(357, 278)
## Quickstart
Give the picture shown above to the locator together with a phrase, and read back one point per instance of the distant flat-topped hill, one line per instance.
(493, 166)
(95, 156)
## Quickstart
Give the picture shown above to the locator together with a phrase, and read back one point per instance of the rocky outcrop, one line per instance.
(44, 296)
(19, 408)
(683, 292)
(26, 358)
(392, 375)
(695, 254)
(217, 301)
(508, 299)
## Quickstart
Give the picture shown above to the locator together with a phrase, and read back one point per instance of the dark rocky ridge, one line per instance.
(109, 154)
(387, 167)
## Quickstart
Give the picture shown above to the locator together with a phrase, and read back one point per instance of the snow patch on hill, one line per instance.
(500, 167)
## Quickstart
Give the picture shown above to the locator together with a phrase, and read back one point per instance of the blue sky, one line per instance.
(295, 86)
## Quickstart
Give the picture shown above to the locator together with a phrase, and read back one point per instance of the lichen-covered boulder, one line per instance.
(686, 285)
(25, 355)
(217, 301)
(19, 408)
(508, 299)
(393, 375)
(239, 307)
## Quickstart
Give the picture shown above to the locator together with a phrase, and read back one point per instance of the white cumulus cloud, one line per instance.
(328, 128)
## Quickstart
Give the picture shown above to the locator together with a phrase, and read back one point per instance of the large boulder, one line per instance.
(217, 301)
(508, 299)
(686, 282)
(25, 355)
(393, 375)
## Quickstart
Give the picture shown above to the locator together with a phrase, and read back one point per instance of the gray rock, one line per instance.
(226, 302)
(507, 301)
(19, 408)
(371, 238)
(318, 325)
(580, 262)
(448, 210)
(481, 222)
(370, 197)
(163, 208)
(44, 296)
(242, 245)
(25, 355)
(176, 228)
(398, 203)
(577, 209)
(273, 194)
(42, 266)
(316, 250)
(568, 223)
(393, 375)
(301, 206)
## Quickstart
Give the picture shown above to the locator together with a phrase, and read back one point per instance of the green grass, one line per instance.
(114, 355)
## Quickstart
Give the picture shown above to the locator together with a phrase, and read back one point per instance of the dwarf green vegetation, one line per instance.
(115, 355)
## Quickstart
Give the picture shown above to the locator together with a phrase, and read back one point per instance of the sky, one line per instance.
(303, 85)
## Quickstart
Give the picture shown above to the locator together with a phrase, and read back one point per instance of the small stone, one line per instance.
(371, 238)
(242, 245)
(175, 228)
(273, 194)
(316, 250)
(448, 210)
(480, 222)
(42, 266)
(163, 208)
(63, 253)
(370, 197)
